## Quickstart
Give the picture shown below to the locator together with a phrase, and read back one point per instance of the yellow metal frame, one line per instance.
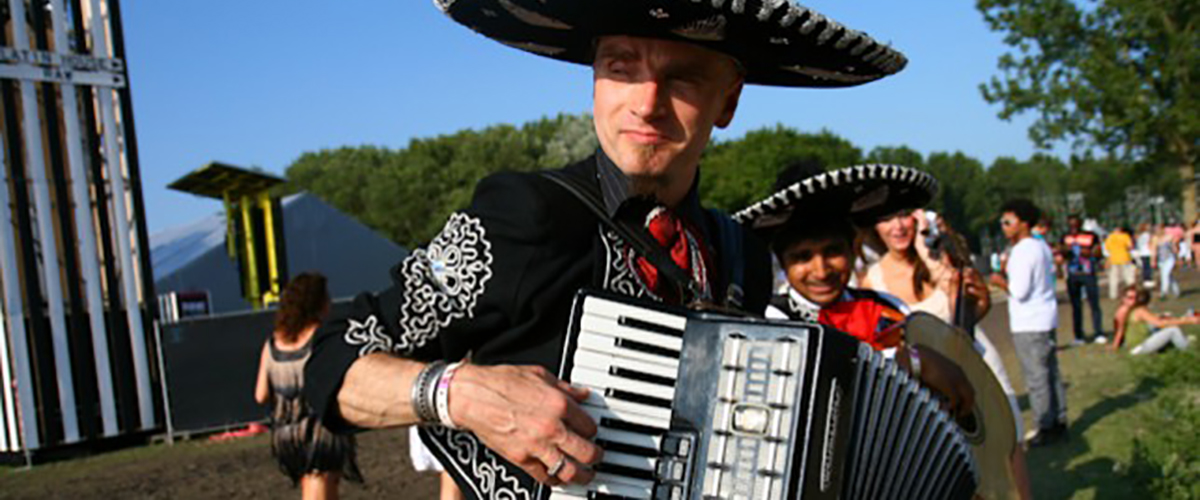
(243, 191)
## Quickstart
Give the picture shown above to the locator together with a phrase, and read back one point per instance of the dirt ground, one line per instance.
(243, 468)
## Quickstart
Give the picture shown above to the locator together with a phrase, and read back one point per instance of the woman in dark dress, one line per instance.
(307, 452)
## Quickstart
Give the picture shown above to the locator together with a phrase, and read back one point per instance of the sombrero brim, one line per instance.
(863, 193)
(777, 41)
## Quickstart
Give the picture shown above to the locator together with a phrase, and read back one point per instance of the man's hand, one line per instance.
(943, 377)
(998, 280)
(529, 417)
(975, 289)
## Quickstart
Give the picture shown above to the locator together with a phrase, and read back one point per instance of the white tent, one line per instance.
(193, 257)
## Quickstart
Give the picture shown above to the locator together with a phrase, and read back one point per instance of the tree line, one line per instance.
(406, 194)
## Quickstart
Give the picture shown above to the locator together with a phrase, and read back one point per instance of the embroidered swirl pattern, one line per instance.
(492, 478)
(443, 281)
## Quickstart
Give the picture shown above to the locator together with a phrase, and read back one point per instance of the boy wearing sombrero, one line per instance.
(810, 222)
(498, 281)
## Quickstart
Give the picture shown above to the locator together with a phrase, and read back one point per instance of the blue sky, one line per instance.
(258, 83)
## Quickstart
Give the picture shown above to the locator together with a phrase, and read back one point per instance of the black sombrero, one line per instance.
(863, 193)
(777, 41)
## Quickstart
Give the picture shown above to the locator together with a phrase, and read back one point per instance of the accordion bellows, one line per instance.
(693, 405)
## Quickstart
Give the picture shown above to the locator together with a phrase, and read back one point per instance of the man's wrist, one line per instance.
(423, 395)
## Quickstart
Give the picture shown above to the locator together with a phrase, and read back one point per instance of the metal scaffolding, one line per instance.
(73, 251)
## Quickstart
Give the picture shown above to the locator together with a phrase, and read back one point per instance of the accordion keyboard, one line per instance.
(629, 358)
(692, 405)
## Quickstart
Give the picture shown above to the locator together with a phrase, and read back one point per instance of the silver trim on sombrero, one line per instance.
(786, 197)
(879, 60)
(533, 18)
(533, 47)
(710, 29)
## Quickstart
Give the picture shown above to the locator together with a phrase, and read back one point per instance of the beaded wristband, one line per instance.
(422, 392)
(442, 395)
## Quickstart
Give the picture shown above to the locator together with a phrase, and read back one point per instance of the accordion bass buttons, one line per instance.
(752, 419)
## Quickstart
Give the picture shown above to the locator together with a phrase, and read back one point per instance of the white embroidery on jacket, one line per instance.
(443, 281)
(369, 334)
(492, 478)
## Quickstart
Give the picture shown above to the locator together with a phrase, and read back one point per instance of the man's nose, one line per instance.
(648, 101)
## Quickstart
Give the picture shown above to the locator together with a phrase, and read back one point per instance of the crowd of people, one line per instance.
(465, 344)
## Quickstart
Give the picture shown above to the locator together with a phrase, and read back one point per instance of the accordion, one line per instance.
(694, 405)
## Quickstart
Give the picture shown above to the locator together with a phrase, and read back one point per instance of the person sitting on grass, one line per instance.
(1145, 330)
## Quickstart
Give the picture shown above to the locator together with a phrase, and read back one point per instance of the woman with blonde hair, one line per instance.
(307, 452)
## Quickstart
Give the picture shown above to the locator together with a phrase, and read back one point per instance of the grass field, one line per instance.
(1109, 406)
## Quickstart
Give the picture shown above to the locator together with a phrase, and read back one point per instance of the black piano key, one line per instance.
(637, 398)
(621, 470)
(617, 371)
(634, 345)
(649, 327)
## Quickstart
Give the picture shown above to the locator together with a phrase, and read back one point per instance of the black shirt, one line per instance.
(498, 283)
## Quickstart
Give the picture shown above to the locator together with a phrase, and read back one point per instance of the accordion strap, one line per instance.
(636, 237)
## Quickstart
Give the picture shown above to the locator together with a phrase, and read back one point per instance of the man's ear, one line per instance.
(730, 105)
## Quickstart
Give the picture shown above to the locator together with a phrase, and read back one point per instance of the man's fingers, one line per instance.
(574, 472)
(579, 448)
(578, 421)
(578, 393)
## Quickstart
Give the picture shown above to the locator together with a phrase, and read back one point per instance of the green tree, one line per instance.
(961, 197)
(896, 155)
(1120, 75)
(736, 173)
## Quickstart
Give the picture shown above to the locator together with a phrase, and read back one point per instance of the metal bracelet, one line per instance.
(423, 392)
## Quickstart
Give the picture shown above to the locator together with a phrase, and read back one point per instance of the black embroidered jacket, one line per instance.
(498, 282)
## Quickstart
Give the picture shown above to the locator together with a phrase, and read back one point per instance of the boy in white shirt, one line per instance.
(1033, 318)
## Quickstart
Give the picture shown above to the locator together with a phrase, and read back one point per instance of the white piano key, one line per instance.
(605, 344)
(559, 494)
(594, 378)
(603, 361)
(634, 487)
(618, 413)
(610, 485)
(631, 461)
(614, 310)
(630, 438)
(609, 327)
(661, 417)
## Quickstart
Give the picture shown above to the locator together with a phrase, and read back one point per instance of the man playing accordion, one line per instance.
(496, 284)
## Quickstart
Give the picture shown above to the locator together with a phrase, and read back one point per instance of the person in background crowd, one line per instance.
(1144, 250)
(1081, 250)
(1165, 256)
(1042, 230)
(307, 452)
(1186, 258)
(1134, 324)
(1193, 239)
(1033, 319)
(1121, 271)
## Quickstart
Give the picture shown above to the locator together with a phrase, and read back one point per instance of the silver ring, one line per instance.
(558, 467)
